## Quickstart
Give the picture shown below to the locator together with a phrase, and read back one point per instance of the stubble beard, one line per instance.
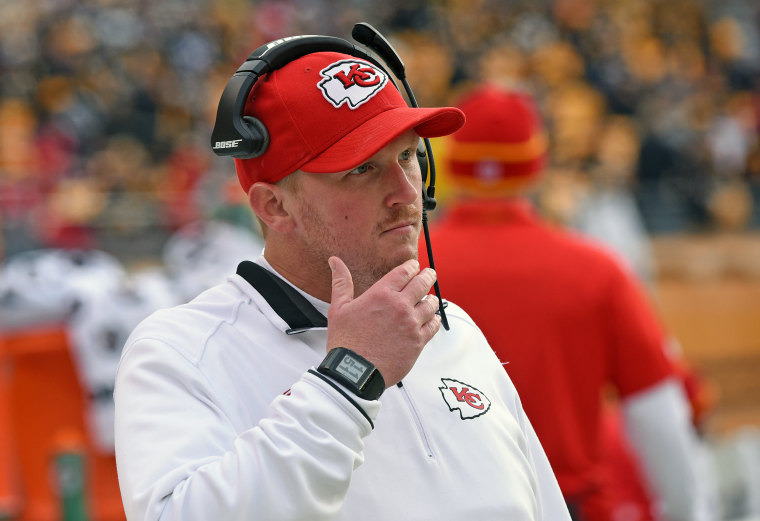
(366, 267)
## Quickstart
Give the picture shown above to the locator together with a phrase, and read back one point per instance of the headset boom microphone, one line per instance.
(367, 35)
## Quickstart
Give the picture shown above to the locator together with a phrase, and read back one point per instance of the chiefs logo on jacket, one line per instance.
(462, 397)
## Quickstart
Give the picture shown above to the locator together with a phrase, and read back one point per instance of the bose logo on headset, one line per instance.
(227, 144)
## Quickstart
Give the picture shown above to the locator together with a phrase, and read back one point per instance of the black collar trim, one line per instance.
(289, 304)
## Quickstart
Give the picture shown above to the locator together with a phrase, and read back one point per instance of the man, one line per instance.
(245, 403)
(564, 318)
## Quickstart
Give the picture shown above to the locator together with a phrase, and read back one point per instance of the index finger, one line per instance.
(398, 278)
(420, 285)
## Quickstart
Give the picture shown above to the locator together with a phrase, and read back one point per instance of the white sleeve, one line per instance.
(657, 422)
(180, 458)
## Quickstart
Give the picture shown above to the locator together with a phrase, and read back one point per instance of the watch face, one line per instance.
(351, 368)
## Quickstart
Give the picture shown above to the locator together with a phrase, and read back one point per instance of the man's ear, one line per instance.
(267, 201)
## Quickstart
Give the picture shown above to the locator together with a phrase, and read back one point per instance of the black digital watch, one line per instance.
(354, 372)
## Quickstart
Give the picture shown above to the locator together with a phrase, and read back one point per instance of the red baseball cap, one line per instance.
(501, 146)
(329, 112)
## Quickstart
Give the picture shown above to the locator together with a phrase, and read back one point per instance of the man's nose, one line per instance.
(403, 188)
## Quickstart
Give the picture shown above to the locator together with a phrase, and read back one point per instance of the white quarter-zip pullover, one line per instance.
(218, 418)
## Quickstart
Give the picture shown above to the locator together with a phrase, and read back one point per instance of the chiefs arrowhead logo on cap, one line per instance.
(352, 82)
(462, 397)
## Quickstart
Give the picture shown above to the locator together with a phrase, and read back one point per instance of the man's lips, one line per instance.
(401, 227)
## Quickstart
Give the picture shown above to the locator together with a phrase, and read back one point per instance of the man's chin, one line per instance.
(407, 253)
(394, 261)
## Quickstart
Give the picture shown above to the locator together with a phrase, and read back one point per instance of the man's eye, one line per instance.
(361, 169)
(406, 155)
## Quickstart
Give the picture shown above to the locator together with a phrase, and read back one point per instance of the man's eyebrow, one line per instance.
(414, 142)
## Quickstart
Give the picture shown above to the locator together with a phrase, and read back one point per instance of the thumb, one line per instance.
(342, 283)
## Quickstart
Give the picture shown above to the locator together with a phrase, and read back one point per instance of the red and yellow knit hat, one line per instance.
(501, 145)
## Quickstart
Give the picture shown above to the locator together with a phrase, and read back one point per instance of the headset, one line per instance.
(245, 137)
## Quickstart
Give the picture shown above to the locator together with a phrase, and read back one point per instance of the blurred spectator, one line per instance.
(567, 320)
(608, 211)
(91, 292)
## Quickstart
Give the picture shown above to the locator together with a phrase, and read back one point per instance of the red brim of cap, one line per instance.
(368, 138)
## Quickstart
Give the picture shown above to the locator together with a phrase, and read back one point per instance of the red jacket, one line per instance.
(563, 316)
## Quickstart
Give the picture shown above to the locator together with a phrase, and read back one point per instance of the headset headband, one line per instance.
(243, 136)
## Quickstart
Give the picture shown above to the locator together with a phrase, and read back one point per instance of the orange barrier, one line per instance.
(10, 492)
(42, 415)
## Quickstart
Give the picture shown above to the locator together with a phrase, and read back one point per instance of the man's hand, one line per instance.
(388, 324)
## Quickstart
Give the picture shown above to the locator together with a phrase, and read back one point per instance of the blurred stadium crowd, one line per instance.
(106, 105)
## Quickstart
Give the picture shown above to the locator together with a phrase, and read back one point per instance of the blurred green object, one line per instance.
(70, 477)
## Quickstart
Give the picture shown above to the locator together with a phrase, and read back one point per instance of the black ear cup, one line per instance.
(258, 136)
(428, 202)
(422, 160)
